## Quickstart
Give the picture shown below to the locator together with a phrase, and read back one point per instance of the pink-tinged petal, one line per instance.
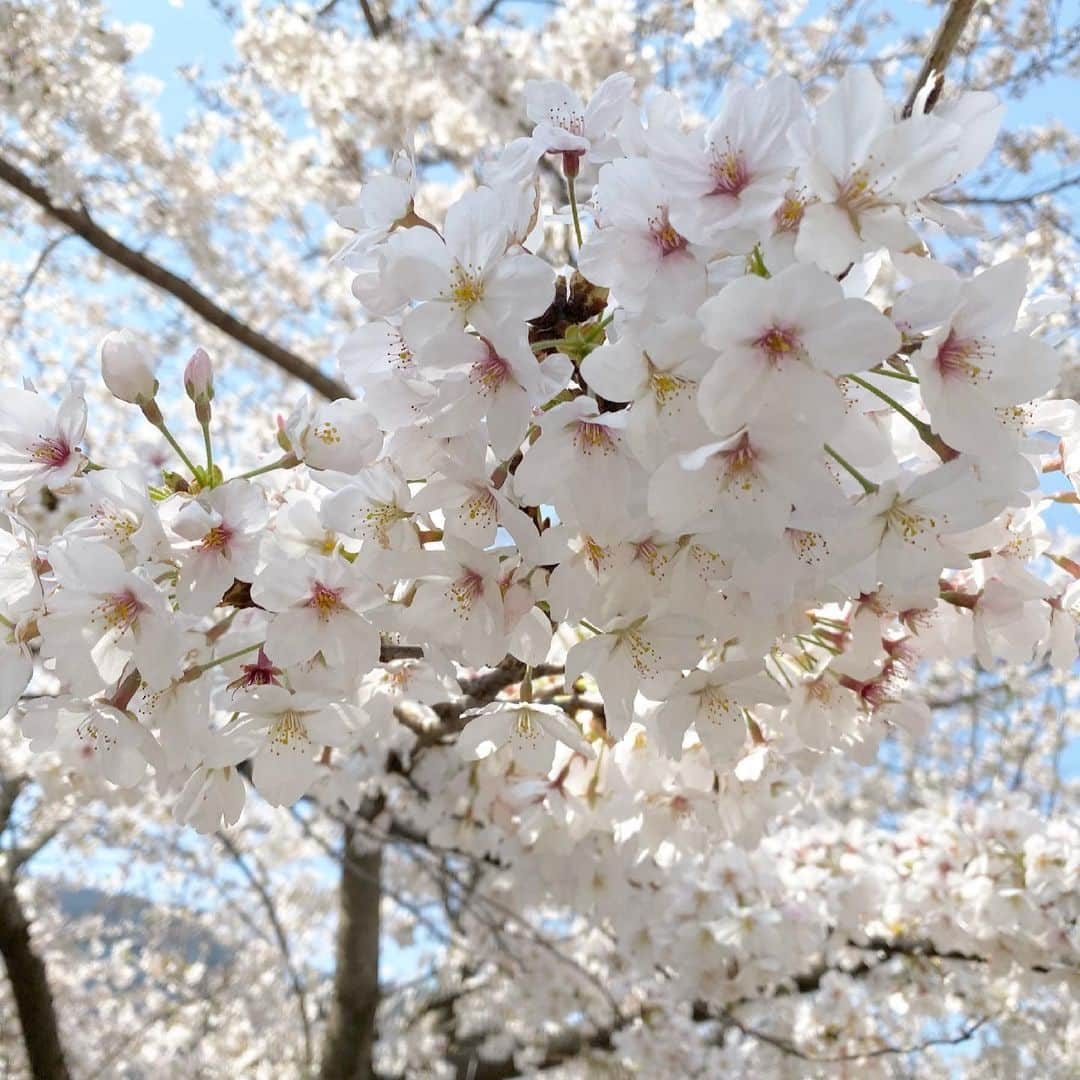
(616, 371)
(204, 577)
(551, 140)
(285, 768)
(508, 420)
(992, 300)
(551, 101)
(16, 667)
(475, 230)
(608, 103)
(519, 284)
(827, 237)
(850, 336)
(849, 120)
(417, 256)
(160, 647)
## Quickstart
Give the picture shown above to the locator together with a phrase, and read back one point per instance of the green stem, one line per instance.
(550, 343)
(164, 429)
(209, 453)
(286, 462)
(895, 375)
(780, 668)
(867, 485)
(921, 426)
(589, 626)
(574, 210)
(199, 669)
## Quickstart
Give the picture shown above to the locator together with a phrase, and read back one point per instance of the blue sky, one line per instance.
(195, 34)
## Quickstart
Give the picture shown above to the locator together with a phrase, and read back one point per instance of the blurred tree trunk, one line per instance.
(30, 988)
(350, 1031)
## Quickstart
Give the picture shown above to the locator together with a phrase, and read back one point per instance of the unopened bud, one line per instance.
(283, 439)
(199, 383)
(127, 368)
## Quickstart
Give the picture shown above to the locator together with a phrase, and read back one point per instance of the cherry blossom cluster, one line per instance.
(954, 896)
(712, 488)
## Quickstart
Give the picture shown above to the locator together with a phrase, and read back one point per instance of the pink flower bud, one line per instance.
(199, 376)
(127, 368)
(199, 383)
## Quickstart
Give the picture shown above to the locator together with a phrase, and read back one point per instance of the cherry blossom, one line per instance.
(40, 444)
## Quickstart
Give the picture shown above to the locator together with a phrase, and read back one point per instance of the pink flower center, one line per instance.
(464, 592)
(955, 358)
(590, 438)
(119, 611)
(217, 539)
(562, 116)
(481, 507)
(466, 285)
(646, 552)
(857, 195)
(53, 452)
(739, 463)
(324, 600)
(490, 373)
(664, 234)
(261, 673)
(789, 214)
(778, 342)
(729, 171)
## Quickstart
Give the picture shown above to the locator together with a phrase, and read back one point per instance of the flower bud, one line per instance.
(199, 383)
(127, 368)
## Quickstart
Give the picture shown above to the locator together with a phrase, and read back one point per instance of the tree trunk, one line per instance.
(350, 1031)
(30, 987)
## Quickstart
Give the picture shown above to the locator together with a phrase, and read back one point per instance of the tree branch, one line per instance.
(1009, 200)
(788, 1047)
(350, 1032)
(82, 224)
(30, 988)
(280, 936)
(948, 34)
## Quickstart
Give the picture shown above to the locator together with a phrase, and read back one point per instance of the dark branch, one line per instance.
(82, 224)
(30, 988)
(948, 34)
(1010, 200)
(788, 1047)
(350, 1031)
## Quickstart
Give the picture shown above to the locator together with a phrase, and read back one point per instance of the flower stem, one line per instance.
(867, 485)
(209, 453)
(199, 669)
(573, 209)
(921, 426)
(286, 462)
(895, 374)
(164, 429)
(926, 432)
